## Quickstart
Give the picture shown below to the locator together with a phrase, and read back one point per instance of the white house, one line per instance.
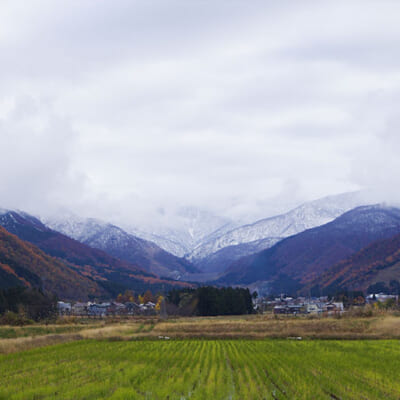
(313, 308)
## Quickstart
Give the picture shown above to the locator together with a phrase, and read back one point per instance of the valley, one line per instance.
(285, 253)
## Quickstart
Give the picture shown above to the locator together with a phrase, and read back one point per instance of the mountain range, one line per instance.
(111, 273)
(316, 245)
(204, 244)
(303, 258)
(180, 230)
(118, 243)
(215, 254)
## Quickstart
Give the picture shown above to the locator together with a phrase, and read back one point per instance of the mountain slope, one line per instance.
(120, 244)
(110, 272)
(29, 228)
(302, 258)
(217, 262)
(378, 262)
(180, 231)
(220, 251)
(23, 264)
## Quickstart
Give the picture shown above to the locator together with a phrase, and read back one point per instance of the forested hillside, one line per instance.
(378, 264)
(23, 264)
(112, 274)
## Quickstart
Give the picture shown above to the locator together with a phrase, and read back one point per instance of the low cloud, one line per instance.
(36, 171)
(121, 110)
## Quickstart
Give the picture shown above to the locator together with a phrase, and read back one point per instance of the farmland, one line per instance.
(204, 369)
(242, 357)
(385, 325)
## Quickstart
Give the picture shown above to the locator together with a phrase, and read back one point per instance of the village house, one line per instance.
(80, 308)
(98, 310)
(292, 309)
(314, 308)
(116, 309)
(132, 308)
(64, 308)
(147, 309)
(333, 308)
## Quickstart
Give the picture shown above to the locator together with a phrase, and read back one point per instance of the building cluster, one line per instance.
(301, 305)
(105, 309)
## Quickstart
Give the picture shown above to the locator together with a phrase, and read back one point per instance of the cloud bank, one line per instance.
(121, 109)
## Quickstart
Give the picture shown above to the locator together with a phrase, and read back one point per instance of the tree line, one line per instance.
(27, 304)
(209, 301)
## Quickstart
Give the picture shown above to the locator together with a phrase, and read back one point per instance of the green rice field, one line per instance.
(204, 369)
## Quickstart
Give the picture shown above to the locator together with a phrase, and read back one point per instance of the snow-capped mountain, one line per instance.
(304, 257)
(267, 232)
(181, 231)
(118, 243)
(189, 240)
(209, 241)
(80, 229)
(111, 273)
(212, 242)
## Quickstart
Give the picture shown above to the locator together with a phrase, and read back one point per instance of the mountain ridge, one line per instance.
(118, 243)
(301, 258)
(111, 273)
(264, 233)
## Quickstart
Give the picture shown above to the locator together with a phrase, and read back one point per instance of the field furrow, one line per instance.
(204, 369)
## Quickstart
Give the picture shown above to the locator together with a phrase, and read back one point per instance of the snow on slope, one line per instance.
(306, 216)
(196, 234)
(80, 229)
(120, 244)
(185, 229)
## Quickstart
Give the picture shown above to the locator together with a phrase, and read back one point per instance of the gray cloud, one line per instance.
(245, 108)
(35, 165)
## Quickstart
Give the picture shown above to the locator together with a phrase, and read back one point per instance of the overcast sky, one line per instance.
(240, 107)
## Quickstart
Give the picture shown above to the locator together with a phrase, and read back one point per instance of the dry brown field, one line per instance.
(379, 326)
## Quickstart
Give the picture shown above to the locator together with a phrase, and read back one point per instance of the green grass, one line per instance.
(11, 332)
(204, 369)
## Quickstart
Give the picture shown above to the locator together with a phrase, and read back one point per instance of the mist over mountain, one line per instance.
(184, 229)
(120, 244)
(200, 239)
(128, 112)
(284, 251)
(195, 233)
(166, 142)
(210, 242)
(214, 254)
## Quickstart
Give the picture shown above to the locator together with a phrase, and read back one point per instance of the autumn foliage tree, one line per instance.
(148, 296)
(127, 297)
(158, 304)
